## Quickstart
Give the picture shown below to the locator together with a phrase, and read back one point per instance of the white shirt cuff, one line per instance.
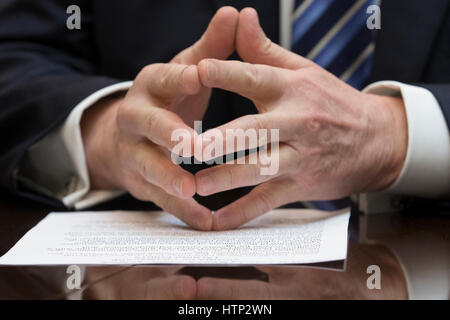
(426, 171)
(81, 196)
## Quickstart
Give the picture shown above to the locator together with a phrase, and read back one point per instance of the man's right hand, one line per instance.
(127, 140)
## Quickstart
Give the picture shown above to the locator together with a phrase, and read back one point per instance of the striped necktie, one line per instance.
(333, 34)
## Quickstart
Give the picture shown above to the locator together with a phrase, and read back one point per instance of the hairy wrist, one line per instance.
(98, 128)
(389, 141)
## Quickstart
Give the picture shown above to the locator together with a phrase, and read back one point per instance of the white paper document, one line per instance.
(284, 236)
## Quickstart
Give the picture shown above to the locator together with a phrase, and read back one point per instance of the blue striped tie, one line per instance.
(334, 35)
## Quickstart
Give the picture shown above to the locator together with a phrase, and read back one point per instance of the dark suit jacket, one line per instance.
(46, 69)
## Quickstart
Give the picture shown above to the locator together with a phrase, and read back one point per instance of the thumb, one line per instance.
(253, 45)
(218, 41)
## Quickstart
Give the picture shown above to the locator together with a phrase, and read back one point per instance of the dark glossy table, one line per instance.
(180, 282)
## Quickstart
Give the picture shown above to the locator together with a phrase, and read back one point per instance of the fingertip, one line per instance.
(249, 12)
(219, 39)
(191, 80)
(248, 19)
(226, 19)
(249, 34)
(253, 45)
(202, 68)
(228, 11)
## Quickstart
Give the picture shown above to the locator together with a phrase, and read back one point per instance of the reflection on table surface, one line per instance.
(256, 282)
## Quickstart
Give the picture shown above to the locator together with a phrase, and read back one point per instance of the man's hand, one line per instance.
(306, 283)
(334, 140)
(128, 140)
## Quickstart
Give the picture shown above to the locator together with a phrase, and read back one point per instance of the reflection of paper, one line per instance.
(120, 237)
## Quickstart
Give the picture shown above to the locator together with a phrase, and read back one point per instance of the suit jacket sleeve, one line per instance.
(46, 70)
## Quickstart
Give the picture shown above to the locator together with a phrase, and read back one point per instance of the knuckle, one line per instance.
(315, 121)
(310, 121)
